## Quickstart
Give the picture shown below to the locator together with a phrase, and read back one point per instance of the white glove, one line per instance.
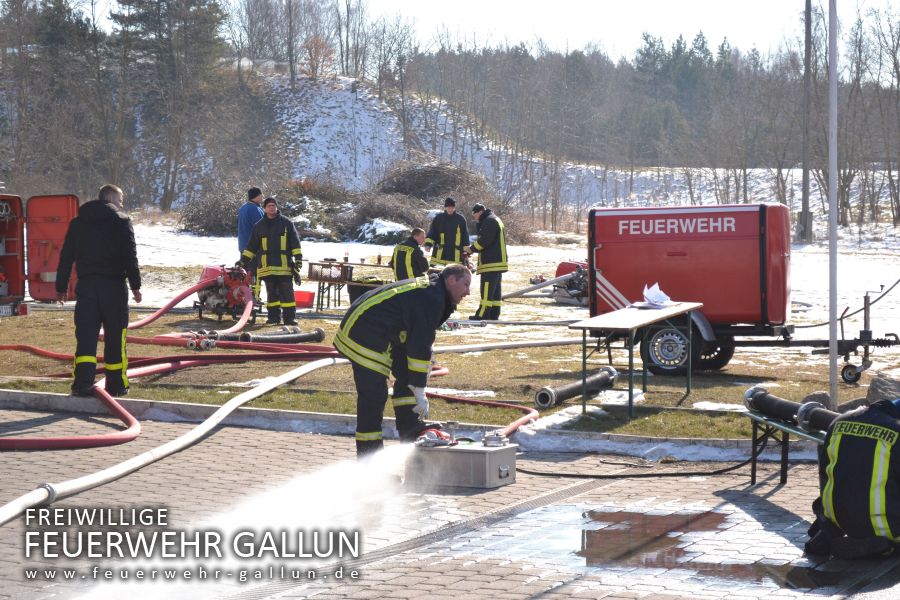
(421, 407)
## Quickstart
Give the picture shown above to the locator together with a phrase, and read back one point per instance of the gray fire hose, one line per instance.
(540, 285)
(547, 396)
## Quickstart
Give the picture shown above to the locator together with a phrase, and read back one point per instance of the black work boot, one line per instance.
(290, 316)
(365, 448)
(274, 315)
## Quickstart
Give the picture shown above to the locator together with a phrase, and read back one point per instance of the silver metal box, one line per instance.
(464, 465)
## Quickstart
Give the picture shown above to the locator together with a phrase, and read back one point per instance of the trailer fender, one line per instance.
(703, 326)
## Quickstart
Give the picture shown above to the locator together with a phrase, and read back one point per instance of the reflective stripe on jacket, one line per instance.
(450, 236)
(406, 312)
(408, 260)
(491, 244)
(277, 243)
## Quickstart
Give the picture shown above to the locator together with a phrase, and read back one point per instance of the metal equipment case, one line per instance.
(462, 465)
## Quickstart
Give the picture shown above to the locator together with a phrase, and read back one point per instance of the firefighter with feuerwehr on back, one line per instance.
(274, 240)
(858, 512)
(448, 234)
(100, 242)
(390, 330)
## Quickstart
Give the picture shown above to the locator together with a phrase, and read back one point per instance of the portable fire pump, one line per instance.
(228, 295)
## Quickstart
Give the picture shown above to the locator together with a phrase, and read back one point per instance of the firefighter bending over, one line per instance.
(448, 234)
(408, 260)
(390, 330)
(100, 241)
(858, 512)
(491, 249)
(276, 242)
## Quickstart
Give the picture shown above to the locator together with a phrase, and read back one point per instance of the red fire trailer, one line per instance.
(735, 259)
(32, 230)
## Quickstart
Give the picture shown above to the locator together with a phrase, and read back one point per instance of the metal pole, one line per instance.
(804, 227)
(832, 202)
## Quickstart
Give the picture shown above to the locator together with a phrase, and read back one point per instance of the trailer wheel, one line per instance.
(664, 351)
(716, 354)
(850, 374)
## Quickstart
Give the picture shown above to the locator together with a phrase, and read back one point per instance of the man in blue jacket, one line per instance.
(390, 330)
(249, 215)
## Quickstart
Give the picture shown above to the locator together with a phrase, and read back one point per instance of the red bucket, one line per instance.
(304, 299)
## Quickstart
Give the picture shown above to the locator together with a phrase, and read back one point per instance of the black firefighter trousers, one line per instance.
(371, 397)
(101, 302)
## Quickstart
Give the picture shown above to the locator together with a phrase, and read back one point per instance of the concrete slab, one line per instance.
(684, 534)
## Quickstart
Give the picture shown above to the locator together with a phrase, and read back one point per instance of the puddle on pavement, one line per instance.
(628, 539)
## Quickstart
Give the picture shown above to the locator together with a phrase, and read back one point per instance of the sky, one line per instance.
(615, 26)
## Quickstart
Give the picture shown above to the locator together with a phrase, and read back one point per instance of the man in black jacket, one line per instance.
(408, 260)
(491, 249)
(390, 330)
(275, 239)
(100, 241)
(449, 235)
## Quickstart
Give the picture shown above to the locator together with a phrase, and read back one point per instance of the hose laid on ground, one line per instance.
(50, 492)
(547, 396)
(316, 335)
(506, 345)
(82, 441)
(530, 413)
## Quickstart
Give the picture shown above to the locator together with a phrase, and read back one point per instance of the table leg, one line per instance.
(753, 451)
(584, 371)
(643, 364)
(631, 374)
(785, 439)
(690, 366)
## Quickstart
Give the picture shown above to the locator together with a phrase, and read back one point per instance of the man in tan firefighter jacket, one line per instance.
(390, 330)
(408, 260)
(100, 242)
(858, 512)
(491, 249)
(274, 238)
(449, 235)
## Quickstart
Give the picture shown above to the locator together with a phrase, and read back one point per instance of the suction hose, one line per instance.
(547, 396)
(316, 335)
(810, 416)
(50, 492)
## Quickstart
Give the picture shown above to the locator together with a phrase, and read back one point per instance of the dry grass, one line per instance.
(514, 376)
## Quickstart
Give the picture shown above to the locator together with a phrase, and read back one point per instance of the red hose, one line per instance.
(82, 441)
(531, 414)
(194, 288)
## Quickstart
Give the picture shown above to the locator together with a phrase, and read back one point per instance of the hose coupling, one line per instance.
(751, 394)
(51, 492)
(804, 413)
(495, 438)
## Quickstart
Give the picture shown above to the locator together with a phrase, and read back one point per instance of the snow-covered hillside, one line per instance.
(339, 129)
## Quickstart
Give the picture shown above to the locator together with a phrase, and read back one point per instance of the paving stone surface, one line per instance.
(694, 535)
